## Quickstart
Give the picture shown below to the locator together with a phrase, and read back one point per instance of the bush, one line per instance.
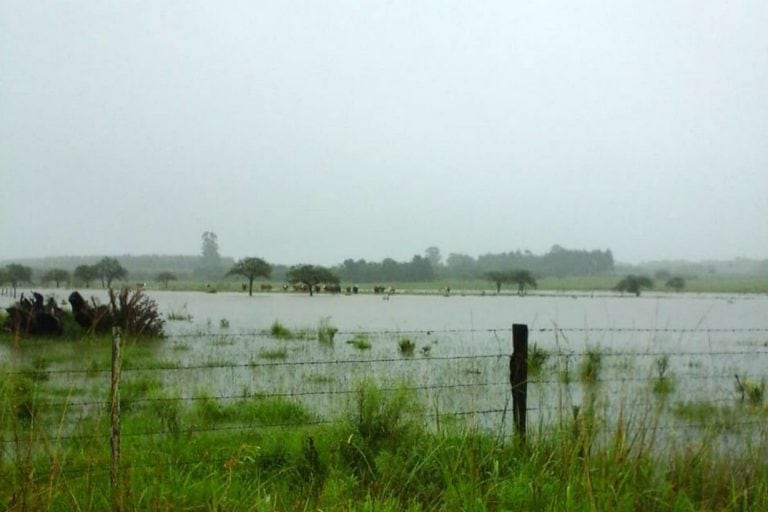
(136, 313)
(326, 332)
(407, 347)
(279, 331)
(360, 341)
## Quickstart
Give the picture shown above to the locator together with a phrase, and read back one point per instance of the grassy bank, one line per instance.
(384, 452)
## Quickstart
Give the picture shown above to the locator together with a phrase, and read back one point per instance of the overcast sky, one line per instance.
(320, 131)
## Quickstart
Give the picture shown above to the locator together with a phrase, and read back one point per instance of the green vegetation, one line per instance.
(15, 273)
(523, 279)
(677, 283)
(181, 315)
(56, 276)
(280, 331)
(84, 274)
(750, 390)
(360, 341)
(268, 453)
(537, 358)
(634, 284)
(311, 276)
(251, 268)
(407, 346)
(589, 370)
(110, 269)
(166, 277)
(326, 332)
(279, 353)
(663, 384)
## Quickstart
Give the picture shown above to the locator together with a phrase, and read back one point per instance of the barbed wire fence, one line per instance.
(473, 388)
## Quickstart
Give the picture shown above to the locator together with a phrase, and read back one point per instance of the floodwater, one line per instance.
(461, 361)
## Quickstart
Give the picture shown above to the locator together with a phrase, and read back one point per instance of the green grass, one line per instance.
(273, 354)
(326, 332)
(705, 283)
(265, 453)
(591, 364)
(191, 449)
(360, 341)
(279, 331)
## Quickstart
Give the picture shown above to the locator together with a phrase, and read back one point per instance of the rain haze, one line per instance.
(319, 131)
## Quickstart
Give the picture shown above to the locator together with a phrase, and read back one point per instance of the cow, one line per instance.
(265, 287)
(332, 288)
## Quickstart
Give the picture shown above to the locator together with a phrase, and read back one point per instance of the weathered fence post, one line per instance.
(518, 377)
(114, 438)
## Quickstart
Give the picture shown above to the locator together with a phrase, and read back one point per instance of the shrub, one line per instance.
(407, 347)
(279, 331)
(135, 313)
(326, 332)
(360, 341)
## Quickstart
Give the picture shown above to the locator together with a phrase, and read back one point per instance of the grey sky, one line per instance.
(319, 131)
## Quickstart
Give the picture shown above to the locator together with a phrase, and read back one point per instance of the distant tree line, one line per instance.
(388, 270)
(210, 266)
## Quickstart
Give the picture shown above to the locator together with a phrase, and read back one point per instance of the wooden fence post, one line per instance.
(518, 377)
(114, 438)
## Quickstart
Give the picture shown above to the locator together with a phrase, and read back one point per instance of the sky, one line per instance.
(319, 131)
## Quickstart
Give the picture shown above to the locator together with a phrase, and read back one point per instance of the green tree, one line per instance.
(498, 277)
(311, 275)
(109, 270)
(432, 253)
(164, 277)
(634, 284)
(210, 263)
(524, 279)
(251, 268)
(56, 275)
(16, 273)
(86, 274)
(677, 283)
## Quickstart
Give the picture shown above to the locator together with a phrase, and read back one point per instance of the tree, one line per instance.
(433, 255)
(460, 265)
(498, 277)
(524, 279)
(677, 283)
(633, 284)
(164, 277)
(211, 260)
(57, 275)
(311, 275)
(110, 269)
(210, 246)
(86, 274)
(251, 268)
(16, 273)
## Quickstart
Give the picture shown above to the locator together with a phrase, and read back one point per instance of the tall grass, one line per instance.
(380, 454)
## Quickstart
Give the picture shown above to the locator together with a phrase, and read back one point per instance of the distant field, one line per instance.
(708, 284)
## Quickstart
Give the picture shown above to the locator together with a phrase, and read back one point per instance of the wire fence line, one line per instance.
(202, 333)
(494, 379)
(171, 367)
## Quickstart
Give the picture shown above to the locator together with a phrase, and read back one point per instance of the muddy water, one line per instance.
(462, 345)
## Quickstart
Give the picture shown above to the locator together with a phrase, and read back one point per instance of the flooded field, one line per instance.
(221, 347)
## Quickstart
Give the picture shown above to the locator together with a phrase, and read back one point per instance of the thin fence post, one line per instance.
(518, 377)
(114, 438)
